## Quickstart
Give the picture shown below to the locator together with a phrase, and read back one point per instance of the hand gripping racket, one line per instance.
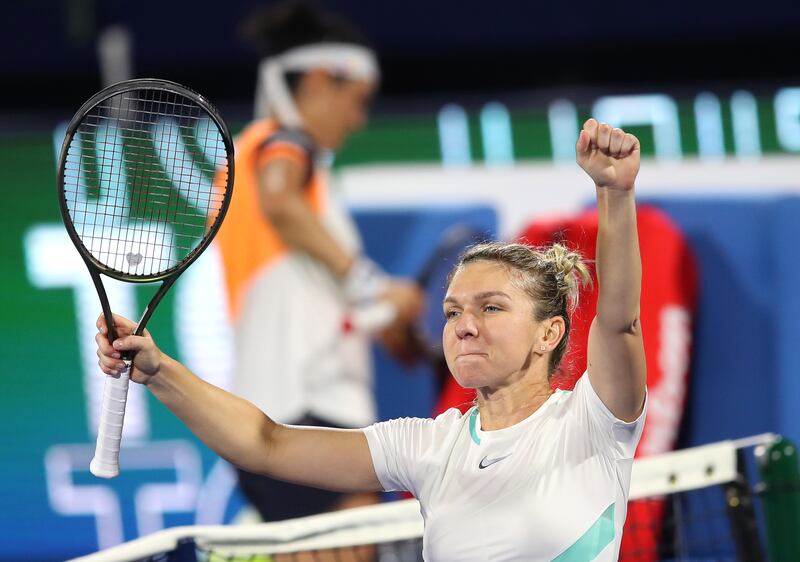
(145, 176)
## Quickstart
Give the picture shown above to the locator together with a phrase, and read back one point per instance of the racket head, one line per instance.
(145, 177)
(432, 278)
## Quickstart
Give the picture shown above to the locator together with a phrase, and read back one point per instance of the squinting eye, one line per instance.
(491, 308)
(448, 314)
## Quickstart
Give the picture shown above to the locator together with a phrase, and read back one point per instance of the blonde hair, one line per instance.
(551, 276)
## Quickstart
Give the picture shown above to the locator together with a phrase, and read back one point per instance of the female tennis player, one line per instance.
(291, 255)
(528, 473)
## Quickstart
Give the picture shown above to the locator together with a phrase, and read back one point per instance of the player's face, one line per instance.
(490, 330)
(346, 110)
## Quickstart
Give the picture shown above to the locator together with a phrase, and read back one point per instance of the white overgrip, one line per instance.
(105, 463)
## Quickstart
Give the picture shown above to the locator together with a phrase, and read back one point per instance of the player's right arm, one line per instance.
(236, 429)
(281, 181)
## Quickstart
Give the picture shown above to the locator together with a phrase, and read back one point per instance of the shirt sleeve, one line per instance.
(282, 151)
(396, 447)
(286, 144)
(624, 435)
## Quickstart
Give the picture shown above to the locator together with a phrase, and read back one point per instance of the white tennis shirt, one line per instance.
(292, 356)
(551, 487)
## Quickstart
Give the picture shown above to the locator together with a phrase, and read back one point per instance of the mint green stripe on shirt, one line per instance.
(472, 431)
(593, 541)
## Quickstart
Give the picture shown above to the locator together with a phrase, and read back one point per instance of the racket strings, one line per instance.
(145, 179)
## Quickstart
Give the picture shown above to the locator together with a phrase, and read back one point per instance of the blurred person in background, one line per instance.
(295, 273)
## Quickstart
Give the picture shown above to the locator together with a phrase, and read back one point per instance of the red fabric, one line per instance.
(669, 291)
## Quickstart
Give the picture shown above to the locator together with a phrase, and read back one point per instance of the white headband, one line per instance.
(273, 97)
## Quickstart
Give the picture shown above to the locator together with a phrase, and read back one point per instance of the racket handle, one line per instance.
(105, 463)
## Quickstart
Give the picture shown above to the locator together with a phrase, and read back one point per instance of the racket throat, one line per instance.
(150, 308)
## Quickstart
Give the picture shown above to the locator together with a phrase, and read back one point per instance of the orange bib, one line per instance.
(247, 240)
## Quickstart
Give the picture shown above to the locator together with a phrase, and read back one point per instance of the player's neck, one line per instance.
(503, 407)
(311, 125)
(312, 131)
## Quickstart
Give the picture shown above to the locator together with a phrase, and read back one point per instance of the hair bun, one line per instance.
(569, 269)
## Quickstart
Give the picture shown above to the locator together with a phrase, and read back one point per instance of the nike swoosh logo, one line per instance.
(486, 461)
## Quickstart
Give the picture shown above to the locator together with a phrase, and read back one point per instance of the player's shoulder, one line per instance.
(444, 422)
(585, 397)
(267, 136)
(578, 397)
(450, 420)
(446, 418)
(292, 135)
(451, 415)
(295, 139)
(288, 145)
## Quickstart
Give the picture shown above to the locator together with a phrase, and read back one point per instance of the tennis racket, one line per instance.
(145, 176)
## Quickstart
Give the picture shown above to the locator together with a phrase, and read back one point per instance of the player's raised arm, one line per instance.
(616, 359)
(236, 429)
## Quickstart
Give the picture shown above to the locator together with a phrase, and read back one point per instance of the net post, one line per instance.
(779, 488)
(741, 514)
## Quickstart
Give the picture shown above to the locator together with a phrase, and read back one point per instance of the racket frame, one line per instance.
(72, 128)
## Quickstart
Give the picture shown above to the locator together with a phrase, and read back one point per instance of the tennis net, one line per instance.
(698, 504)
